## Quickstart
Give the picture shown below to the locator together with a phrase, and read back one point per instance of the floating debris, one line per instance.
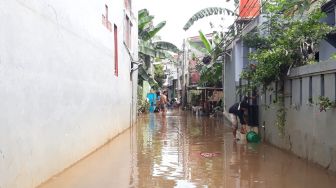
(208, 155)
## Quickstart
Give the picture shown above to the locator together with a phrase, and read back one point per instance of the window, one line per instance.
(115, 50)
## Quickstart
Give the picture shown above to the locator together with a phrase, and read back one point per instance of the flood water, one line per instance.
(182, 150)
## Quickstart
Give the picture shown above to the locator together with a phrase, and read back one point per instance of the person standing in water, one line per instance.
(151, 97)
(163, 102)
(238, 110)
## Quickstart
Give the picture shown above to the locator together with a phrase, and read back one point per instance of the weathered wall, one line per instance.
(60, 99)
(309, 133)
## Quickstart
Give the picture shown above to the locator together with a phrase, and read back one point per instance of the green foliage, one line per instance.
(272, 66)
(199, 66)
(288, 40)
(333, 56)
(211, 49)
(142, 104)
(198, 47)
(167, 46)
(205, 42)
(211, 76)
(149, 48)
(210, 71)
(146, 30)
(153, 31)
(195, 98)
(281, 115)
(159, 74)
(325, 103)
(147, 33)
(144, 19)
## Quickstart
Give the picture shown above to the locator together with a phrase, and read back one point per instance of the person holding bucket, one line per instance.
(237, 111)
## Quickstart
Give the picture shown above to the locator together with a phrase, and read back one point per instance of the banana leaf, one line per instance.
(144, 21)
(205, 41)
(162, 45)
(207, 12)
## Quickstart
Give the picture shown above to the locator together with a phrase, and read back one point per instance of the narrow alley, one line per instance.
(182, 150)
(83, 85)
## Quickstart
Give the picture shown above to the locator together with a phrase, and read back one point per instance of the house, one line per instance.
(67, 84)
(193, 58)
(171, 72)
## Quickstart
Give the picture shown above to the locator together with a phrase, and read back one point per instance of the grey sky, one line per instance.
(177, 13)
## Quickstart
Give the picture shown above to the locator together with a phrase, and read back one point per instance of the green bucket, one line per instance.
(252, 137)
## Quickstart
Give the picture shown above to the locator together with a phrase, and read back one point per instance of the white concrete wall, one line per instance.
(60, 99)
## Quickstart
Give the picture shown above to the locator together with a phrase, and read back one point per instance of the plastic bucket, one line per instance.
(252, 137)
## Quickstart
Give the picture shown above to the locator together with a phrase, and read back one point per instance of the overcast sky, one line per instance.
(177, 12)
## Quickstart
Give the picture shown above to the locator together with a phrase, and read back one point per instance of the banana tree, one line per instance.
(212, 49)
(210, 71)
(211, 76)
(146, 29)
(150, 45)
(146, 32)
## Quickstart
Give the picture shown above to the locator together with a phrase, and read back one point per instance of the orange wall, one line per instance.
(249, 8)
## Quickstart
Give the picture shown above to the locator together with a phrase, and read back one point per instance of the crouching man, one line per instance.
(237, 111)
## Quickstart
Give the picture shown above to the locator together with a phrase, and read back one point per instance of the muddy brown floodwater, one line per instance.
(181, 150)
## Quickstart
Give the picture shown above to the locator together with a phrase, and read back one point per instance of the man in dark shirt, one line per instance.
(238, 110)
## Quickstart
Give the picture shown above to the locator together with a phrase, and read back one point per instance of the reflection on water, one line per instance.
(181, 150)
(188, 151)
